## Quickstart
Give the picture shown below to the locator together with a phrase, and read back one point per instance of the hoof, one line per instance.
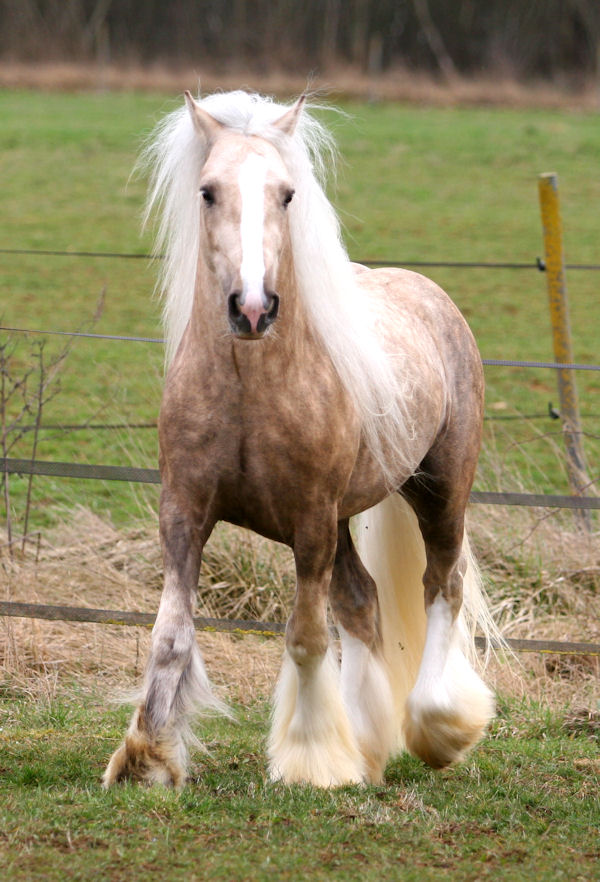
(311, 740)
(443, 727)
(322, 765)
(441, 738)
(374, 761)
(147, 760)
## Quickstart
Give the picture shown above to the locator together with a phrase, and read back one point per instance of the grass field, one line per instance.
(417, 184)
(420, 184)
(525, 805)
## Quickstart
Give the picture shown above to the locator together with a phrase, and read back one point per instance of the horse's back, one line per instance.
(413, 312)
(411, 293)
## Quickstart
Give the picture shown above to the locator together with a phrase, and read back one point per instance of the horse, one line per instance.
(303, 391)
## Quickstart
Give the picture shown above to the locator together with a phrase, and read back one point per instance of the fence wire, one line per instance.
(134, 474)
(245, 626)
(538, 264)
(490, 362)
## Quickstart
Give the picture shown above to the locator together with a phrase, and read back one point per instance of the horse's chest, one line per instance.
(264, 446)
(292, 441)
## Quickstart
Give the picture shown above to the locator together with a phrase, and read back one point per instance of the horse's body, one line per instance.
(290, 415)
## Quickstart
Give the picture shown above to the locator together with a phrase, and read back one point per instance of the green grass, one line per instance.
(417, 184)
(525, 805)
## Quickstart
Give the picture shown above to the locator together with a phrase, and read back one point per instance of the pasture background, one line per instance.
(416, 183)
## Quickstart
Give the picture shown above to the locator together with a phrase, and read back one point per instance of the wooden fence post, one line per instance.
(561, 334)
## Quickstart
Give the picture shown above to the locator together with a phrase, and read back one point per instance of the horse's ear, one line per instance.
(288, 122)
(205, 124)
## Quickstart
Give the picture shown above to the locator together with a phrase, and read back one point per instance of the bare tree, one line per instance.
(536, 38)
(434, 39)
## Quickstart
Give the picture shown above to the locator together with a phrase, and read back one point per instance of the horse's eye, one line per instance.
(208, 195)
(288, 198)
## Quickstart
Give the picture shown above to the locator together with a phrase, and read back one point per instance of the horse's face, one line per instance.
(245, 191)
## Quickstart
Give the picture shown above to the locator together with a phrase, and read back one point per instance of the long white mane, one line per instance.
(326, 281)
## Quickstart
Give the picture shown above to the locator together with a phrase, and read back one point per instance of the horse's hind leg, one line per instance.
(449, 706)
(364, 680)
(175, 683)
(311, 737)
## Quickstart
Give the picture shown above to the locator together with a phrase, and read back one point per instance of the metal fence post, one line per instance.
(561, 334)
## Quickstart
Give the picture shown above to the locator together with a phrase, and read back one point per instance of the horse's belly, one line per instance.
(278, 489)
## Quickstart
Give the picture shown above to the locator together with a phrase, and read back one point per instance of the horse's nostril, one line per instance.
(270, 314)
(273, 308)
(233, 303)
(238, 321)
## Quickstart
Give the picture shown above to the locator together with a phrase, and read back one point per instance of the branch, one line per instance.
(434, 39)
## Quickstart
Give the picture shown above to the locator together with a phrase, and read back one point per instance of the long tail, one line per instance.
(392, 549)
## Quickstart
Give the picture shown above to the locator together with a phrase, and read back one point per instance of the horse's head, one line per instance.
(245, 190)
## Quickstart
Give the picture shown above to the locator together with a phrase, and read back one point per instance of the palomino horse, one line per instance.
(303, 390)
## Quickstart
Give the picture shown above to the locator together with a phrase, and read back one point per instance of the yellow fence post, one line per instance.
(561, 333)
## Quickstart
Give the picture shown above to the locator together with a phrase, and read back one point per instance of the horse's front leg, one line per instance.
(175, 684)
(311, 737)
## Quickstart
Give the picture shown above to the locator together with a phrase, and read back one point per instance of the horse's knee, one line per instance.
(170, 657)
(306, 640)
(306, 659)
(172, 646)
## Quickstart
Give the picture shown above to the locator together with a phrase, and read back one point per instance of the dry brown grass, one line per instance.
(396, 85)
(543, 573)
(87, 562)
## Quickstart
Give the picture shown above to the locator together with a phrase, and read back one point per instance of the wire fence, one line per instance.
(136, 475)
(538, 264)
(247, 626)
(30, 467)
(132, 474)
(490, 362)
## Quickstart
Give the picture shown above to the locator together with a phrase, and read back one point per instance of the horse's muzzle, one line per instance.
(250, 320)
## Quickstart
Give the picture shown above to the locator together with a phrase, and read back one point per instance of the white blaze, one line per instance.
(252, 176)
